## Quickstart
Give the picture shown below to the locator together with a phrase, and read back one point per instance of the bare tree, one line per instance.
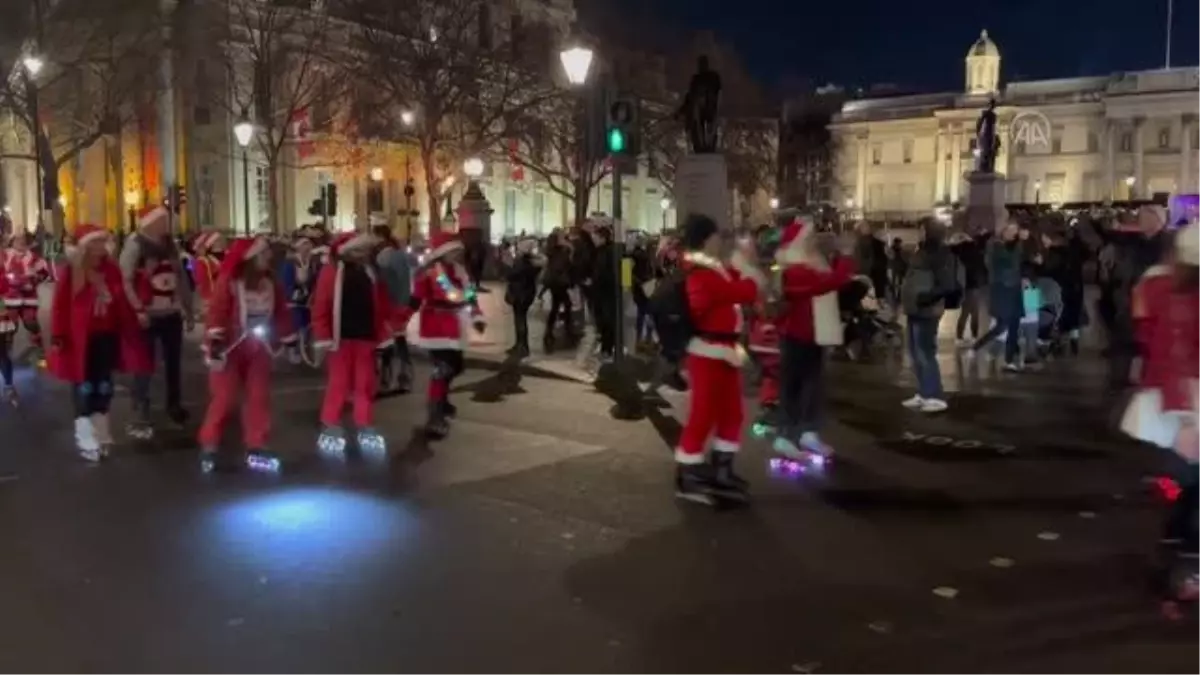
(99, 69)
(464, 83)
(550, 143)
(748, 144)
(281, 66)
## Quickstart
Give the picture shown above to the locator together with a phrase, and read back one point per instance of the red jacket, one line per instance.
(22, 272)
(234, 309)
(448, 306)
(1167, 325)
(809, 292)
(70, 317)
(205, 269)
(327, 308)
(715, 292)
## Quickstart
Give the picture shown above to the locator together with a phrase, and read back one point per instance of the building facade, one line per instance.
(1124, 136)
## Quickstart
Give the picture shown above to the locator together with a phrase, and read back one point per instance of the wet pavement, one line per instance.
(1008, 534)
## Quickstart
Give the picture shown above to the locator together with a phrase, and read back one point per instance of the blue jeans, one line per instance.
(922, 349)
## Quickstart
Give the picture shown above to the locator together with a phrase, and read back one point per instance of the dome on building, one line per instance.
(984, 46)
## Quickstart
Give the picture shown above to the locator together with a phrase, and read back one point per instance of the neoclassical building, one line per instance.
(1126, 135)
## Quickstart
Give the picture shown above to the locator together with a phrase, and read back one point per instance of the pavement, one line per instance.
(1010, 534)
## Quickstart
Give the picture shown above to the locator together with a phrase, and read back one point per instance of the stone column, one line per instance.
(1139, 158)
(1110, 161)
(955, 177)
(1187, 185)
(939, 166)
(860, 187)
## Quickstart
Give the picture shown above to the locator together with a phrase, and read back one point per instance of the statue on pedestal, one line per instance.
(699, 108)
(986, 140)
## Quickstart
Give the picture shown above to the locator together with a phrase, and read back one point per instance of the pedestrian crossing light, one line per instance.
(620, 127)
(616, 141)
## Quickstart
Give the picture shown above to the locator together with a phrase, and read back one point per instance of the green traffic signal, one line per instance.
(616, 141)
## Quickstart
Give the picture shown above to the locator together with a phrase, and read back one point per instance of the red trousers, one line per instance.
(715, 409)
(247, 372)
(351, 374)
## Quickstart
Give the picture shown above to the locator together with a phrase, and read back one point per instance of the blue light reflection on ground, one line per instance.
(301, 527)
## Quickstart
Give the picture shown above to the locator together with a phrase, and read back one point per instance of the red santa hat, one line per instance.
(352, 241)
(87, 233)
(442, 244)
(794, 241)
(241, 250)
(150, 215)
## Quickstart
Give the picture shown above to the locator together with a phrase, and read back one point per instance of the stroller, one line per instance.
(868, 322)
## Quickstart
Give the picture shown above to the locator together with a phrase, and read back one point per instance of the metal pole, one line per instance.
(1170, 20)
(618, 254)
(36, 128)
(246, 185)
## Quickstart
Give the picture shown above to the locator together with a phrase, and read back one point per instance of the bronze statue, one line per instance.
(699, 108)
(986, 140)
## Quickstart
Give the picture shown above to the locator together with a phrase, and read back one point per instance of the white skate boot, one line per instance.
(85, 440)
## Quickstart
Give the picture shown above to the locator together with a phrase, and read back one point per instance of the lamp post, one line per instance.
(33, 65)
(131, 203)
(1037, 192)
(664, 205)
(244, 133)
(475, 221)
(577, 64)
(408, 118)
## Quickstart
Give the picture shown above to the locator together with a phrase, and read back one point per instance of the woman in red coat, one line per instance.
(351, 319)
(247, 316)
(94, 332)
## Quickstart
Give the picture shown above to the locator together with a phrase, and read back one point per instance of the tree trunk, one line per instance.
(432, 190)
(273, 194)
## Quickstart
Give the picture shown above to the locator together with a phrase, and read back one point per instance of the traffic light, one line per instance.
(326, 202)
(176, 199)
(620, 127)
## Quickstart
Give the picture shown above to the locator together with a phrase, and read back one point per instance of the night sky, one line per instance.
(920, 44)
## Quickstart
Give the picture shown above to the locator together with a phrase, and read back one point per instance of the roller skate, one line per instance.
(725, 483)
(208, 458)
(810, 454)
(10, 396)
(764, 425)
(694, 483)
(438, 425)
(266, 461)
(140, 427)
(103, 434)
(332, 442)
(85, 440)
(371, 442)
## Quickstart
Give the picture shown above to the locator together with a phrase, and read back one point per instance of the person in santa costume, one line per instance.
(157, 287)
(715, 291)
(94, 332)
(24, 270)
(351, 320)
(247, 318)
(208, 249)
(300, 273)
(444, 299)
(809, 325)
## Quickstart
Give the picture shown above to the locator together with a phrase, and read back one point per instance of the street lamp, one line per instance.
(576, 63)
(1130, 181)
(376, 174)
(33, 65)
(665, 205)
(131, 203)
(773, 203)
(244, 133)
(849, 203)
(1037, 192)
(407, 117)
(473, 167)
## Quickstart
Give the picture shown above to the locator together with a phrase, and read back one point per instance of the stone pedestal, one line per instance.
(702, 187)
(985, 202)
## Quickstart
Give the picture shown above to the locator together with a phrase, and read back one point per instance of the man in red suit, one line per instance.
(444, 298)
(351, 319)
(24, 270)
(246, 318)
(715, 291)
(94, 332)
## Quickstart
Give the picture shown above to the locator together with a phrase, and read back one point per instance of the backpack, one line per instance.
(954, 299)
(668, 305)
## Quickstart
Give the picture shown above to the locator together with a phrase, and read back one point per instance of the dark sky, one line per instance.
(921, 43)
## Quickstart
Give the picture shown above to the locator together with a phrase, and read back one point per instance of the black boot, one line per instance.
(436, 426)
(449, 409)
(725, 482)
(693, 482)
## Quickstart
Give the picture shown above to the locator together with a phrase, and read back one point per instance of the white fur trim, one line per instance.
(457, 344)
(827, 320)
(94, 235)
(748, 269)
(720, 445)
(682, 457)
(733, 354)
(444, 249)
(152, 215)
(764, 350)
(215, 332)
(706, 261)
(323, 344)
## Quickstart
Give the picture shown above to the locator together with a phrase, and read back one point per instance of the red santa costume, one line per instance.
(351, 318)
(93, 333)
(23, 272)
(446, 311)
(247, 318)
(205, 266)
(715, 291)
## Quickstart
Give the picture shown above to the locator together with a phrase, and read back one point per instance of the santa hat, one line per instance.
(696, 230)
(442, 244)
(151, 214)
(1187, 245)
(352, 241)
(87, 233)
(241, 250)
(206, 240)
(794, 241)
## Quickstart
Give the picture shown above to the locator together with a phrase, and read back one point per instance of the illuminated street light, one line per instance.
(849, 203)
(473, 167)
(774, 202)
(407, 117)
(376, 174)
(33, 65)
(1130, 180)
(664, 203)
(243, 131)
(576, 62)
